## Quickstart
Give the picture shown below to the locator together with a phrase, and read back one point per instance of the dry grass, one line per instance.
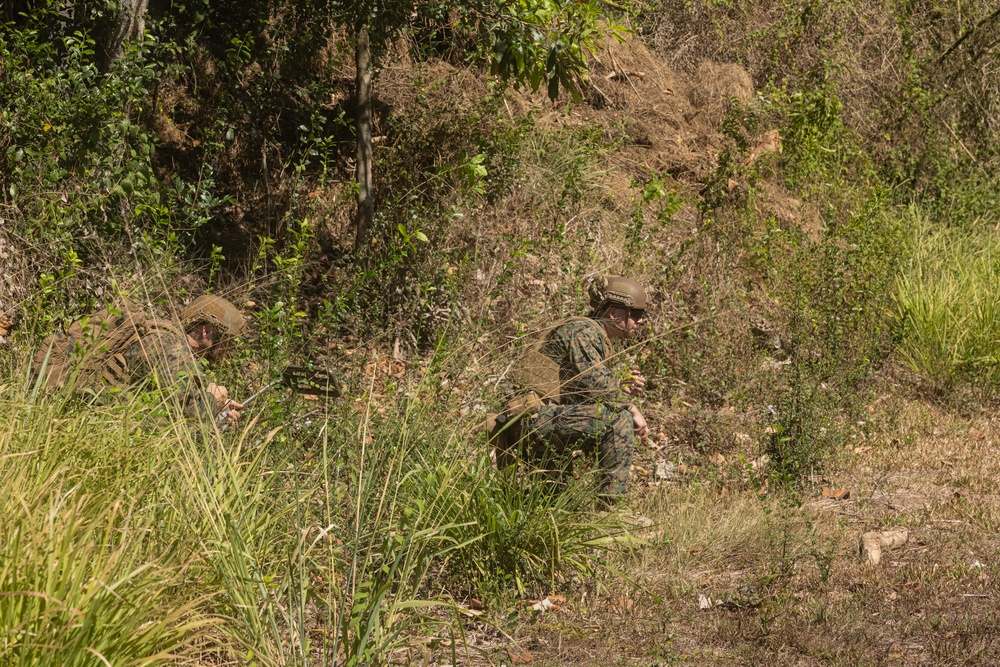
(786, 583)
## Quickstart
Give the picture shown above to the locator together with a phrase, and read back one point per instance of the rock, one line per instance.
(836, 494)
(665, 471)
(871, 548)
(550, 602)
(872, 543)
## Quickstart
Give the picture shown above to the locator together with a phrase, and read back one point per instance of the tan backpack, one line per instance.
(91, 352)
(538, 382)
(538, 373)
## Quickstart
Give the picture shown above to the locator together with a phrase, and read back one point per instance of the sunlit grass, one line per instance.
(948, 301)
(144, 540)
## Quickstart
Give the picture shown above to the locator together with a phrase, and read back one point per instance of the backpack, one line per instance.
(538, 373)
(538, 382)
(91, 352)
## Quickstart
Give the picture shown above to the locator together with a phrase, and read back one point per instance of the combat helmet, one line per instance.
(216, 311)
(616, 291)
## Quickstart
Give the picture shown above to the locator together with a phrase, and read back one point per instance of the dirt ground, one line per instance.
(748, 577)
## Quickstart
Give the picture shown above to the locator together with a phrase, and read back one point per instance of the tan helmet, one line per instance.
(216, 311)
(616, 291)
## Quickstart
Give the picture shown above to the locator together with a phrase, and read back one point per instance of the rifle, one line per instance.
(298, 379)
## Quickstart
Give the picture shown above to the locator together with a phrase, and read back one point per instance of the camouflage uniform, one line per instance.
(164, 358)
(592, 411)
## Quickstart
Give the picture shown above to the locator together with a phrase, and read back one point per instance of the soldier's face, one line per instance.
(626, 321)
(636, 318)
(218, 350)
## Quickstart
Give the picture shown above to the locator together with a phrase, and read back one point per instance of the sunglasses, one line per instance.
(636, 313)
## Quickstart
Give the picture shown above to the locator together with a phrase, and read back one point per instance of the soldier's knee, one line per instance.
(624, 425)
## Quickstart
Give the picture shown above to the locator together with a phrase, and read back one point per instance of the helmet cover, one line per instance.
(616, 291)
(214, 310)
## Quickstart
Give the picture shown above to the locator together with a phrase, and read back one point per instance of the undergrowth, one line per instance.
(350, 535)
(215, 156)
(947, 302)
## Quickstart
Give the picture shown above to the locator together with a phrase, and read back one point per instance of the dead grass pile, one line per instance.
(881, 59)
(671, 121)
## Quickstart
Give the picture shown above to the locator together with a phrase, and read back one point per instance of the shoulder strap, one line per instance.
(538, 372)
(608, 346)
(163, 325)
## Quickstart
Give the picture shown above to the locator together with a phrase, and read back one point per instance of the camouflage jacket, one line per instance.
(583, 352)
(164, 358)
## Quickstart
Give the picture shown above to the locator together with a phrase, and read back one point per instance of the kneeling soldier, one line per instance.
(120, 347)
(574, 399)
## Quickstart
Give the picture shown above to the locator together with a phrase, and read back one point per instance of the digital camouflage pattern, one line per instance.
(164, 358)
(581, 348)
(593, 412)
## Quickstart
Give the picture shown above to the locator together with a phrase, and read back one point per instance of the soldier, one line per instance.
(121, 347)
(575, 400)
(209, 323)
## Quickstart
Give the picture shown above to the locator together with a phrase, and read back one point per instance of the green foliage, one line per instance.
(821, 278)
(85, 572)
(318, 536)
(547, 41)
(656, 203)
(839, 295)
(948, 303)
(519, 530)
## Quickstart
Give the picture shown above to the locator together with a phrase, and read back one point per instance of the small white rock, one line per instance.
(665, 470)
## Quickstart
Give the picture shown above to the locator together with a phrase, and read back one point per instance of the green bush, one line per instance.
(133, 533)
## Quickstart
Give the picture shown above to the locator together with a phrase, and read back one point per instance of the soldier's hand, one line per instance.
(232, 410)
(635, 383)
(219, 393)
(639, 423)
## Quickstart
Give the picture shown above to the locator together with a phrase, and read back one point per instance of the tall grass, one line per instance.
(948, 302)
(136, 541)
(85, 574)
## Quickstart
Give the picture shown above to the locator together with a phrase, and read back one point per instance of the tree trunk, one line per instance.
(130, 24)
(363, 123)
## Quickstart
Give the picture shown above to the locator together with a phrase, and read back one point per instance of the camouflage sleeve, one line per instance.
(166, 359)
(588, 379)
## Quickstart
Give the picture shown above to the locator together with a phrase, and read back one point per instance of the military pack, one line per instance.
(90, 353)
(539, 374)
(537, 379)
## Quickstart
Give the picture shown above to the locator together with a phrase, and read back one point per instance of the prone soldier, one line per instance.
(121, 347)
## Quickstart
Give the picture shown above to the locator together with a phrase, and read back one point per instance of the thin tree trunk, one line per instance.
(130, 24)
(366, 204)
